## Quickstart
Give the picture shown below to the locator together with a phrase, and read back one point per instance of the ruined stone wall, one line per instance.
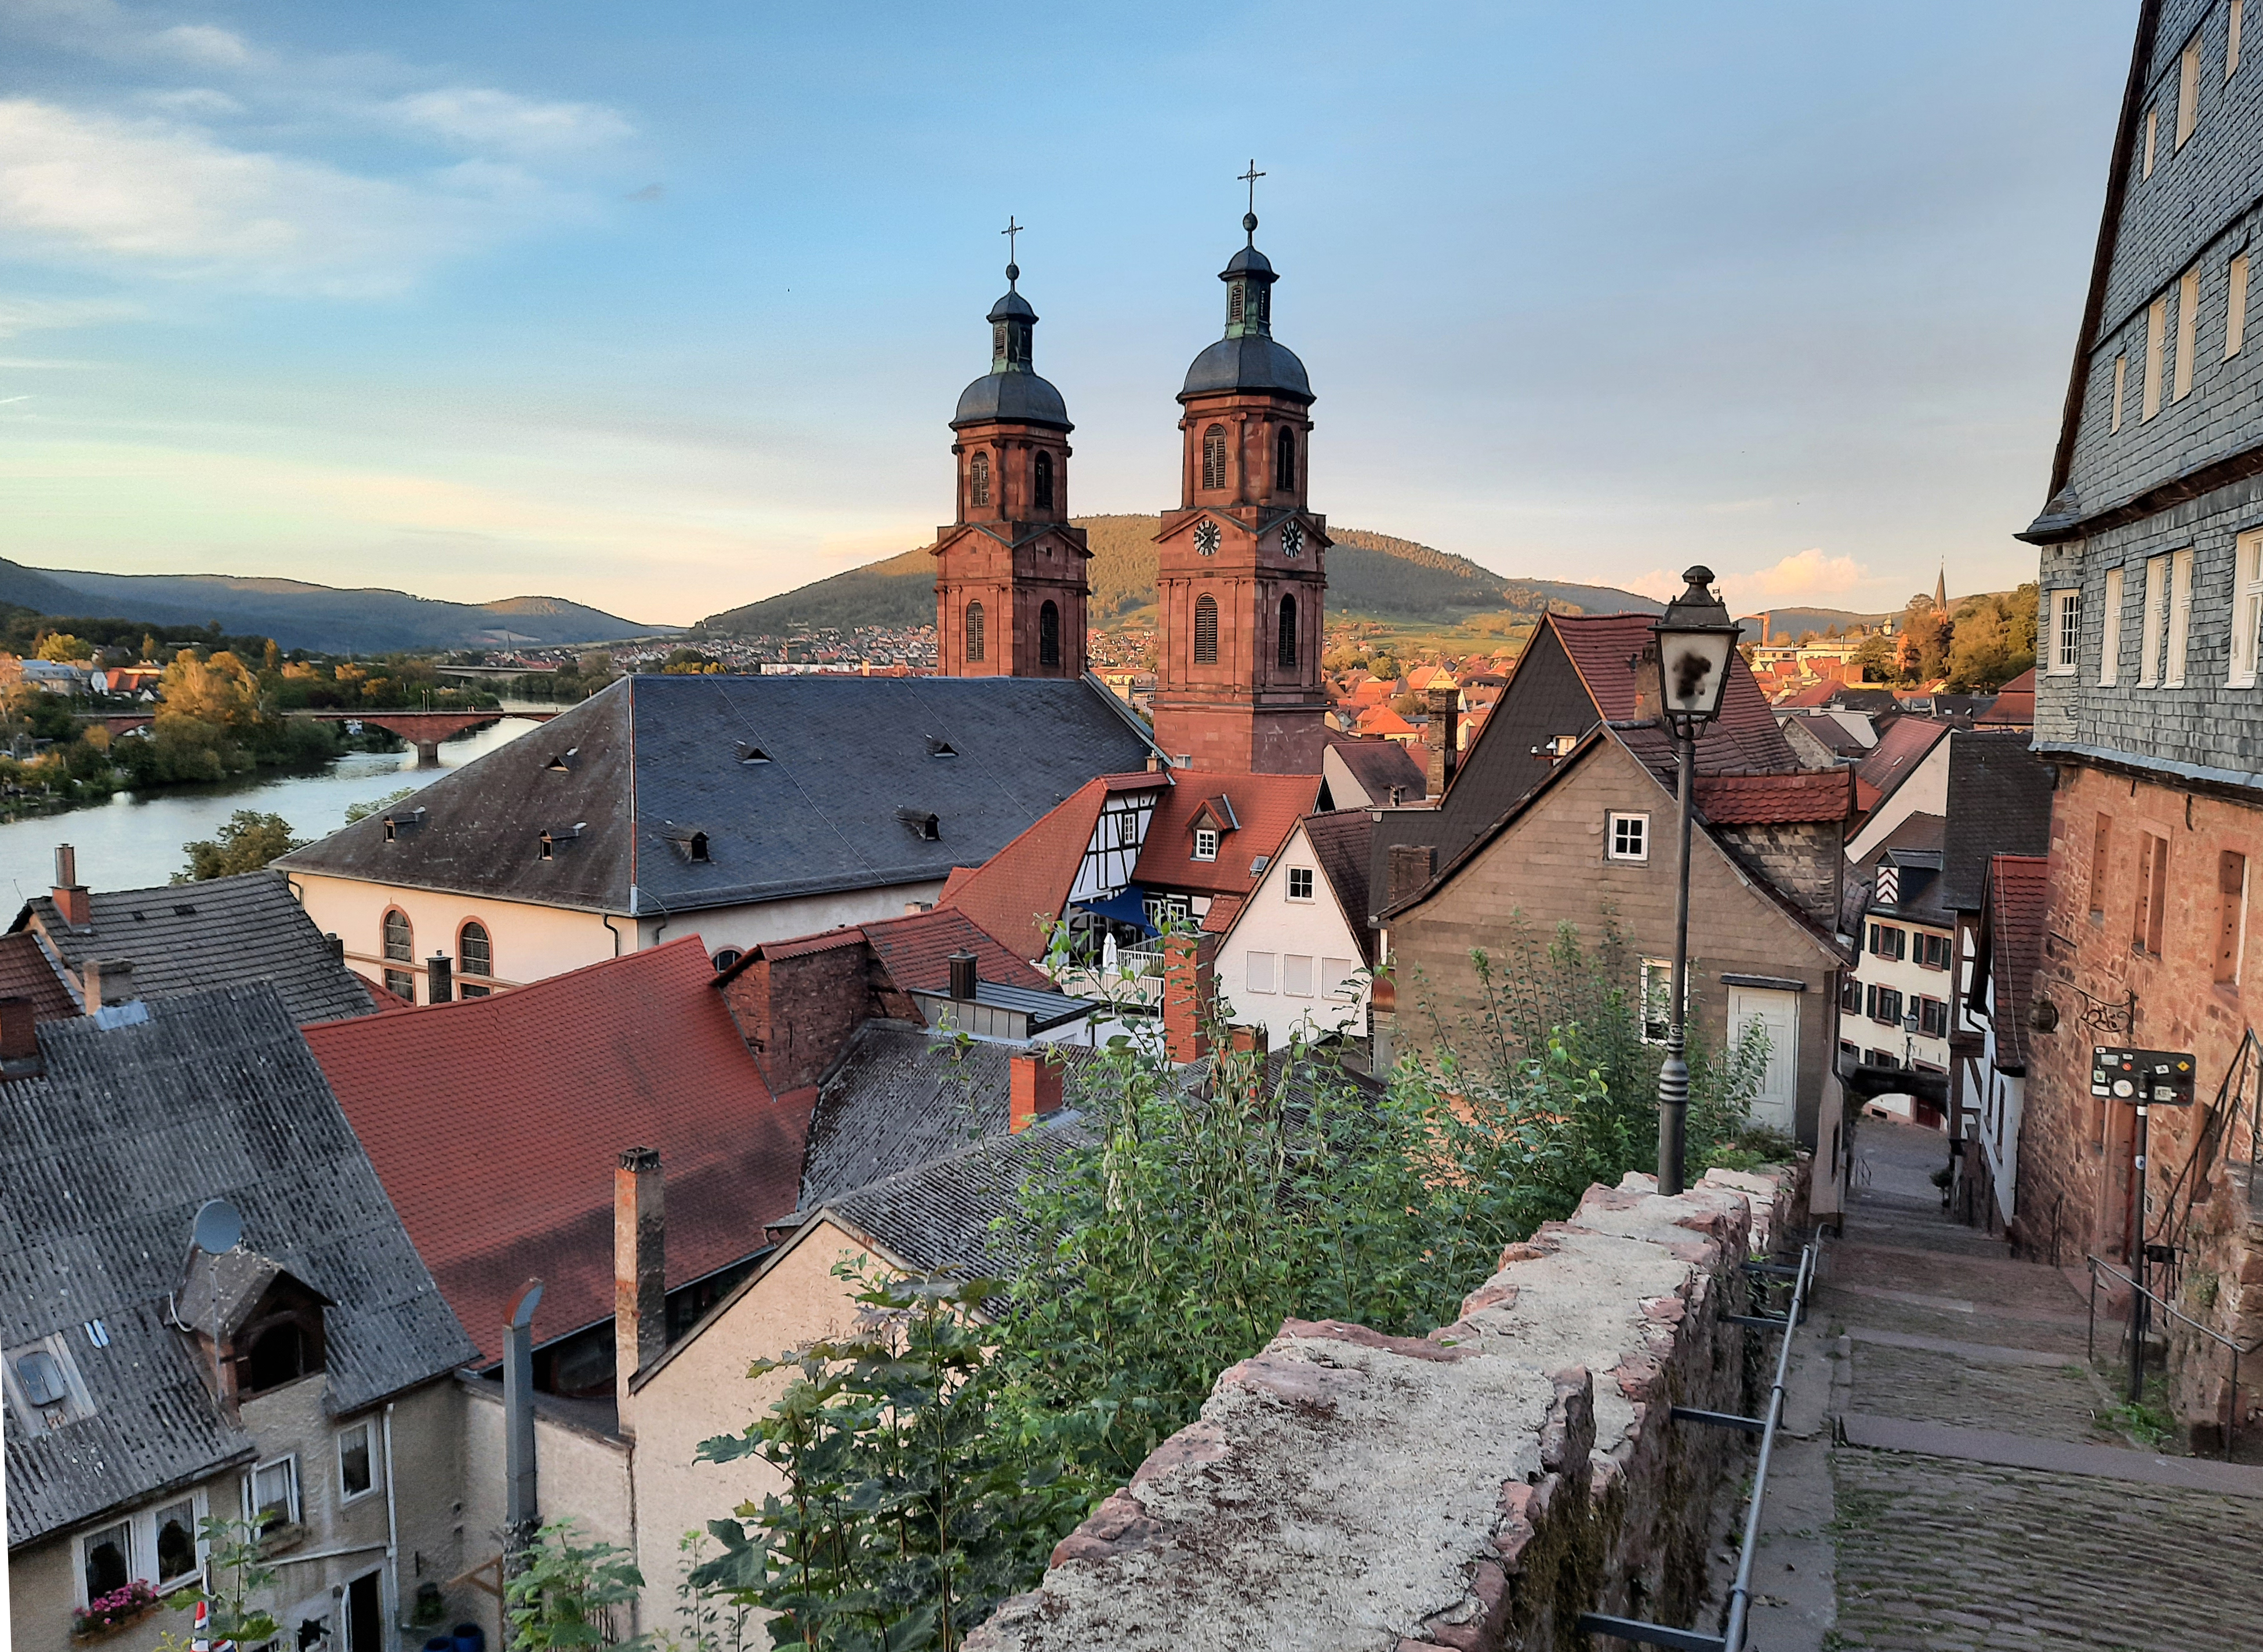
(1477, 1487)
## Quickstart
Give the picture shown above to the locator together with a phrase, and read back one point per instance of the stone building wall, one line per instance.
(1806, 860)
(1477, 1487)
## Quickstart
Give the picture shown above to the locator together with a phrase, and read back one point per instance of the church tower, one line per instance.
(1010, 584)
(1239, 566)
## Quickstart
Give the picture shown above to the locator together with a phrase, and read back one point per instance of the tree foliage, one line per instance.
(248, 841)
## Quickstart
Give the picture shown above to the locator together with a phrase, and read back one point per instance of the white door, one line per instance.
(1777, 1014)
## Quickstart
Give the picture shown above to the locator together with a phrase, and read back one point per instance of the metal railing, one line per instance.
(2137, 1328)
(1732, 1638)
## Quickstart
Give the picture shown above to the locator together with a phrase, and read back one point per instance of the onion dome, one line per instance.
(1011, 392)
(1248, 357)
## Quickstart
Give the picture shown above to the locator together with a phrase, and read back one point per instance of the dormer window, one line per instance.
(922, 825)
(562, 762)
(698, 846)
(938, 746)
(749, 753)
(1205, 843)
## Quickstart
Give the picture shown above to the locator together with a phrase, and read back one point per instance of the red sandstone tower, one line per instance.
(1010, 584)
(1240, 573)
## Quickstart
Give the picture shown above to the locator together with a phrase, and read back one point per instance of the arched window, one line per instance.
(1214, 457)
(1049, 635)
(400, 948)
(726, 957)
(1284, 459)
(474, 957)
(1285, 654)
(978, 479)
(974, 630)
(1206, 631)
(1041, 488)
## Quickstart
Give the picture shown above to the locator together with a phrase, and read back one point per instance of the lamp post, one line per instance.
(1695, 639)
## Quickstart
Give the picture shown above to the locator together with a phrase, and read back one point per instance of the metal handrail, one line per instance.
(2238, 1350)
(1731, 1638)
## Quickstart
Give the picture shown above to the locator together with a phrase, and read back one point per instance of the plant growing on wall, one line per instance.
(571, 1595)
(236, 1573)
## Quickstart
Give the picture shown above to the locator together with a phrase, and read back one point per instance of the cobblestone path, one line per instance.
(1933, 1324)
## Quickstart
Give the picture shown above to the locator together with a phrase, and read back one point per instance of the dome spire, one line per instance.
(1249, 218)
(1011, 390)
(1013, 270)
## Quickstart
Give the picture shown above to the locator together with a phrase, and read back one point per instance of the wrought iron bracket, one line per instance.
(2104, 1015)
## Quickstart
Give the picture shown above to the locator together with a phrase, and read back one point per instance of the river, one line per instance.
(134, 841)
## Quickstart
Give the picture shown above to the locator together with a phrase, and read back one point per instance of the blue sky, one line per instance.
(664, 308)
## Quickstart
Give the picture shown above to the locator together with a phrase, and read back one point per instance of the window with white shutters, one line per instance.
(2247, 610)
(2156, 621)
(2180, 572)
(2109, 645)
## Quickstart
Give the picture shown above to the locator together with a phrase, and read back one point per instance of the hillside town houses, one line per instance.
(714, 983)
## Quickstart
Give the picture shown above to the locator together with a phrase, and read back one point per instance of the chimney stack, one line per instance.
(19, 1033)
(1037, 1089)
(639, 1268)
(965, 976)
(1188, 995)
(105, 981)
(1410, 866)
(440, 979)
(70, 895)
(1648, 707)
(1444, 737)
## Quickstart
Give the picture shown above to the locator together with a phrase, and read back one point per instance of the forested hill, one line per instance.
(1372, 575)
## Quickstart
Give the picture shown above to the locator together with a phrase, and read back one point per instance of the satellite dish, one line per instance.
(218, 1226)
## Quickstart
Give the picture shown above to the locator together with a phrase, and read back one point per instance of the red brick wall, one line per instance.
(798, 1014)
(1188, 991)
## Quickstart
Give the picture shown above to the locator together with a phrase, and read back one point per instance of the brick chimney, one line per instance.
(72, 899)
(19, 1033)
(639, 1268)
(1411, 865)
(1252, 1046)
(1188, 992)
(1648, 707)
(1037, 1089)
(106, 981)
(966, 975)
(1444, 737)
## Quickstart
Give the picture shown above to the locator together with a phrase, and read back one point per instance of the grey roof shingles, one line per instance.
(843, 762)
(1999, 802)
(104, 1161)
(226, 931)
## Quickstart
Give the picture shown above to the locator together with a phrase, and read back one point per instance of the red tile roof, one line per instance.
(1816, 794)
(1814, 694)
(2017, 889)
(1381, 720)
(1604, 648)
(916, 949)
(1031, 876)
(2015, 704)
(1224, 909)
(495, 1125)
(27, 972)
(1267, 805)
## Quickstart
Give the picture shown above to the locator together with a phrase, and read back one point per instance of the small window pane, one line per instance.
(478, 955)
(109, 1560)
(353, 1460)
(275, 1490)
(1205, 843)
(399, 942)
(1300, 883)
(176, 1541)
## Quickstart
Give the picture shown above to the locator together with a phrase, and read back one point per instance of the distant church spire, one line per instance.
(1941, 589)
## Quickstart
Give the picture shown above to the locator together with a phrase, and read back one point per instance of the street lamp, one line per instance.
(1696, 640)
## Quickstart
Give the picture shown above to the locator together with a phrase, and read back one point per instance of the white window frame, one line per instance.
(2109, 645)
(1621, 823)
(288, 1461)
(2156, 621)
(1290, 961)
(368, 1432)
(2157, 344)
(2246, 608)
(79, 1548)
(2066, 632)
(2187, 331)
(1291, 886)
(195, 1500)
(1657, 982)
(1205, 843)
(2121, 379)
(2188, 91)
(2231, 39)
(2152, 135)
(2180, 639)
(1257, 963)
(2235, 311)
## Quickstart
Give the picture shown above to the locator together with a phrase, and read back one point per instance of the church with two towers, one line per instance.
(1242, 561)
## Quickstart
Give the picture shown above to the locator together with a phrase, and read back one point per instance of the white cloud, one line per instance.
(1808, 573)
(200, 43)
(149, 195)
(191, 100)
(30, 315)
(484, 118)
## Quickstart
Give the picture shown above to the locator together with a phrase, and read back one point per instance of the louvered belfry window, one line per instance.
(1041, 487)
(974, 630)
(1049, 635)
(1284, 459)
(1206, 631)
(1214, 457)
(1285, 654)
(978, 479)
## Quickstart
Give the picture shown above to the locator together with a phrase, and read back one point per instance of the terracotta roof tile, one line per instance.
(916, 950)
(1267, 805)
(1900, 750)
(1031, 876)
(1819, 794)
(26, 971)
(495, 1125)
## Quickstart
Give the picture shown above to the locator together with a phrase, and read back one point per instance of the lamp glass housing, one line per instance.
(1696, 638)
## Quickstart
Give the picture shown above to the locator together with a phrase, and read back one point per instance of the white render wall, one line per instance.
(1911, 979)
(1925, 792)
(1280, 929)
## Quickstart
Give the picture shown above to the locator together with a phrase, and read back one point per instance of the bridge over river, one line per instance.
(423, 730)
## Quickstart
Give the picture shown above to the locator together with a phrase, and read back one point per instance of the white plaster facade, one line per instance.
(1924, 790)
(1910, 980)
(1291, 962)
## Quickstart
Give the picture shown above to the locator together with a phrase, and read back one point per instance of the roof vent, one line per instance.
(938, 746)
(750, 753)
(546, 846)
(396, 824)
(691, 845)
(562, 761)
(924, 825)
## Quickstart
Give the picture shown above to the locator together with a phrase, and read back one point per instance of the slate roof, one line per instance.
(801, 785)
(104, 1161)
(27, 972)
(1032, 876)
(1999, 802)
(1899, 752)
(954, 1215)
(226, 931)
(1341, 841)
(2013, 944)
(497, 1124)
(1378, 766)
(1265, 808)
(1834, 736)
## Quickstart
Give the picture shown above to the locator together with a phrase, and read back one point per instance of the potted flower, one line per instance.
(105, 1615)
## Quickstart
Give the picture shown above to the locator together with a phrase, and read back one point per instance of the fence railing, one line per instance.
(2137, 1331)
(1731, 1638)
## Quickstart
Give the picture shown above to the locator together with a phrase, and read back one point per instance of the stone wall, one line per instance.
(1806, 860)
(1477, 1488)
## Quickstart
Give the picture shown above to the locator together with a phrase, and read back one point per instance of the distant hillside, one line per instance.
(1370, 574)
(300, 615)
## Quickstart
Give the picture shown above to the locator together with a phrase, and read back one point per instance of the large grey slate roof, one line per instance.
(104, 1161)
(655, 759)
(1999, 802)
(955, 1215)
(228, 931)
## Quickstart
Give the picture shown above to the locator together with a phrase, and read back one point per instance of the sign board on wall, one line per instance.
(2151, 1077)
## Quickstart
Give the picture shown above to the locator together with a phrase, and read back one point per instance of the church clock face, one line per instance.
(1292, 538)
(1206, 537)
